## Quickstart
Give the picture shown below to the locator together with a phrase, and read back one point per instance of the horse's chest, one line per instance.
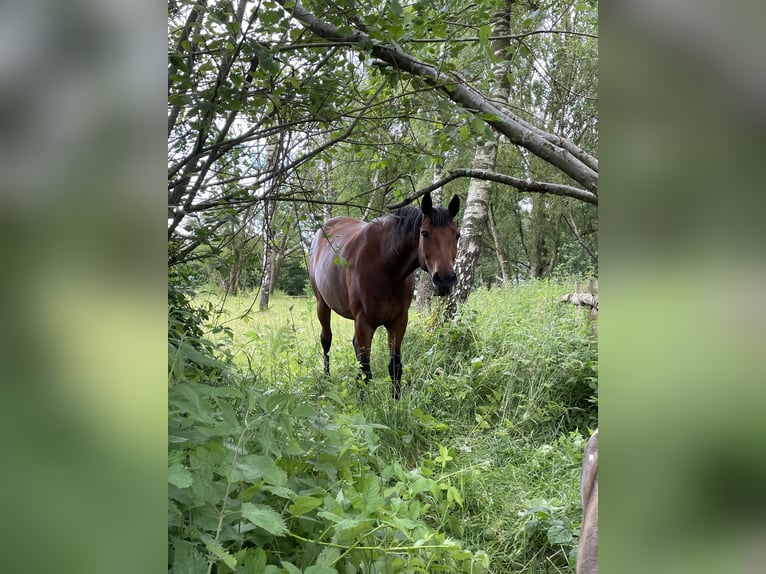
(382, 300)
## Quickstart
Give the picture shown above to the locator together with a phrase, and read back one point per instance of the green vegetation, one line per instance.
(275, 468)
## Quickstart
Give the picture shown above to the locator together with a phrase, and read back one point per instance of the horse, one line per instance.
(365, 272)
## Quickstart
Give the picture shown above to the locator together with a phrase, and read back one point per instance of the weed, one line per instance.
(475, 469)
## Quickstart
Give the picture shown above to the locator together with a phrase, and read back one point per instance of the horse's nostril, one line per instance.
(444, 283)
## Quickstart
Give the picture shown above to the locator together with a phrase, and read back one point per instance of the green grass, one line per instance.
(496, 404)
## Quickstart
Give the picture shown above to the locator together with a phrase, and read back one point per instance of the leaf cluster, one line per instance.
(265, 480)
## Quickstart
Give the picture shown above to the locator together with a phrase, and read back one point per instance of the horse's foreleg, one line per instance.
(395, 372)
(362, 345)
(395, 335)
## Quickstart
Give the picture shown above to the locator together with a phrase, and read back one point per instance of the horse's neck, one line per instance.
(401, 254)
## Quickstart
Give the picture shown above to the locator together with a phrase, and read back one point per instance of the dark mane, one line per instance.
(408, 218)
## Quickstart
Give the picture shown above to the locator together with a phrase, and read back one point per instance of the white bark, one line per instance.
(477, 203)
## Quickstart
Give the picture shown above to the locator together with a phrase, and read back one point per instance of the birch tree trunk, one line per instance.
(327, 194)
(502, 256)
(477, 203)
(266, 275)
(269, 205)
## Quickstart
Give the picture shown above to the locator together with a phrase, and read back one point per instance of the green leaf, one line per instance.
(291, 568)
(328, 557)
(454, 495)
(444, 456)
(484, 33)
(303, 505)
(256, 466)
(264, 517)
(349, 523)
(369, 489)
(421, 485)
(280, 491)
(186, 559)
(179, 476)
(396, 8)
(252, 560)
(317, 569)
(220, 552)
(558, 533)
(304, 411)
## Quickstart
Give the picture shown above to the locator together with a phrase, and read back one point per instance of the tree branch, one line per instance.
(460, 92)
(520, 184)
(579, 239)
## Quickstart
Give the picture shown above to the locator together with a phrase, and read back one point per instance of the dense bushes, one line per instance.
(273, 468)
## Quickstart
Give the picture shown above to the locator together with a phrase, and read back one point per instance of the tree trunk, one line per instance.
(267, 256)
(269, 205)
(502, 256)
(545, 243)
(279, 258)
(232, 283)
(327, 194)
(477, 203)
(472, 229)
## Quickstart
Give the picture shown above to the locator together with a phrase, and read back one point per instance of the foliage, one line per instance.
(269, 480)
(259, 477)
(293, 279)
(476, 468)
(266, 121)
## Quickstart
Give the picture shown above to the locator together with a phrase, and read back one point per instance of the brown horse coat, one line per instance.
(364, 272)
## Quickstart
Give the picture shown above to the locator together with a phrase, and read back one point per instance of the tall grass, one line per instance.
(496, 404)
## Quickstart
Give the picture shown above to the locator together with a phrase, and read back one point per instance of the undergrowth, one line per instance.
(274, 467)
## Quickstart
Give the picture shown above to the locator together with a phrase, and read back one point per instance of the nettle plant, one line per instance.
(271, 482)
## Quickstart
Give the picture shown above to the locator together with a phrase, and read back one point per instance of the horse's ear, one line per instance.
(454, 206)
(426, 204)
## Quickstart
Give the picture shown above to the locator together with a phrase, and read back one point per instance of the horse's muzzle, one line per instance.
(443, 284)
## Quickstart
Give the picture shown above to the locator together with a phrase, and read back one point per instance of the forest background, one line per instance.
(85, 330)
(281, 115)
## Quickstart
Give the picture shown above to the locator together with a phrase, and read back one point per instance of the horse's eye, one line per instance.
(425, 234)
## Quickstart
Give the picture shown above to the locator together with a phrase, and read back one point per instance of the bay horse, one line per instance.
(365, 272)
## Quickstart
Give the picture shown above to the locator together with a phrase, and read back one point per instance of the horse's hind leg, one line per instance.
(395, 335)
(325, 337)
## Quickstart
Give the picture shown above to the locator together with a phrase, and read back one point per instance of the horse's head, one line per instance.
(438, 243)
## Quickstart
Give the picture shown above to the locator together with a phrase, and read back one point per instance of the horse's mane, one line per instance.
(407, 219)
(405, 222)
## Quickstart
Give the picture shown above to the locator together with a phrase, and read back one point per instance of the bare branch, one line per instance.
(579, 238)
(520, 184)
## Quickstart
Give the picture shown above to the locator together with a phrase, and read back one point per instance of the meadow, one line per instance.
(475, 469)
